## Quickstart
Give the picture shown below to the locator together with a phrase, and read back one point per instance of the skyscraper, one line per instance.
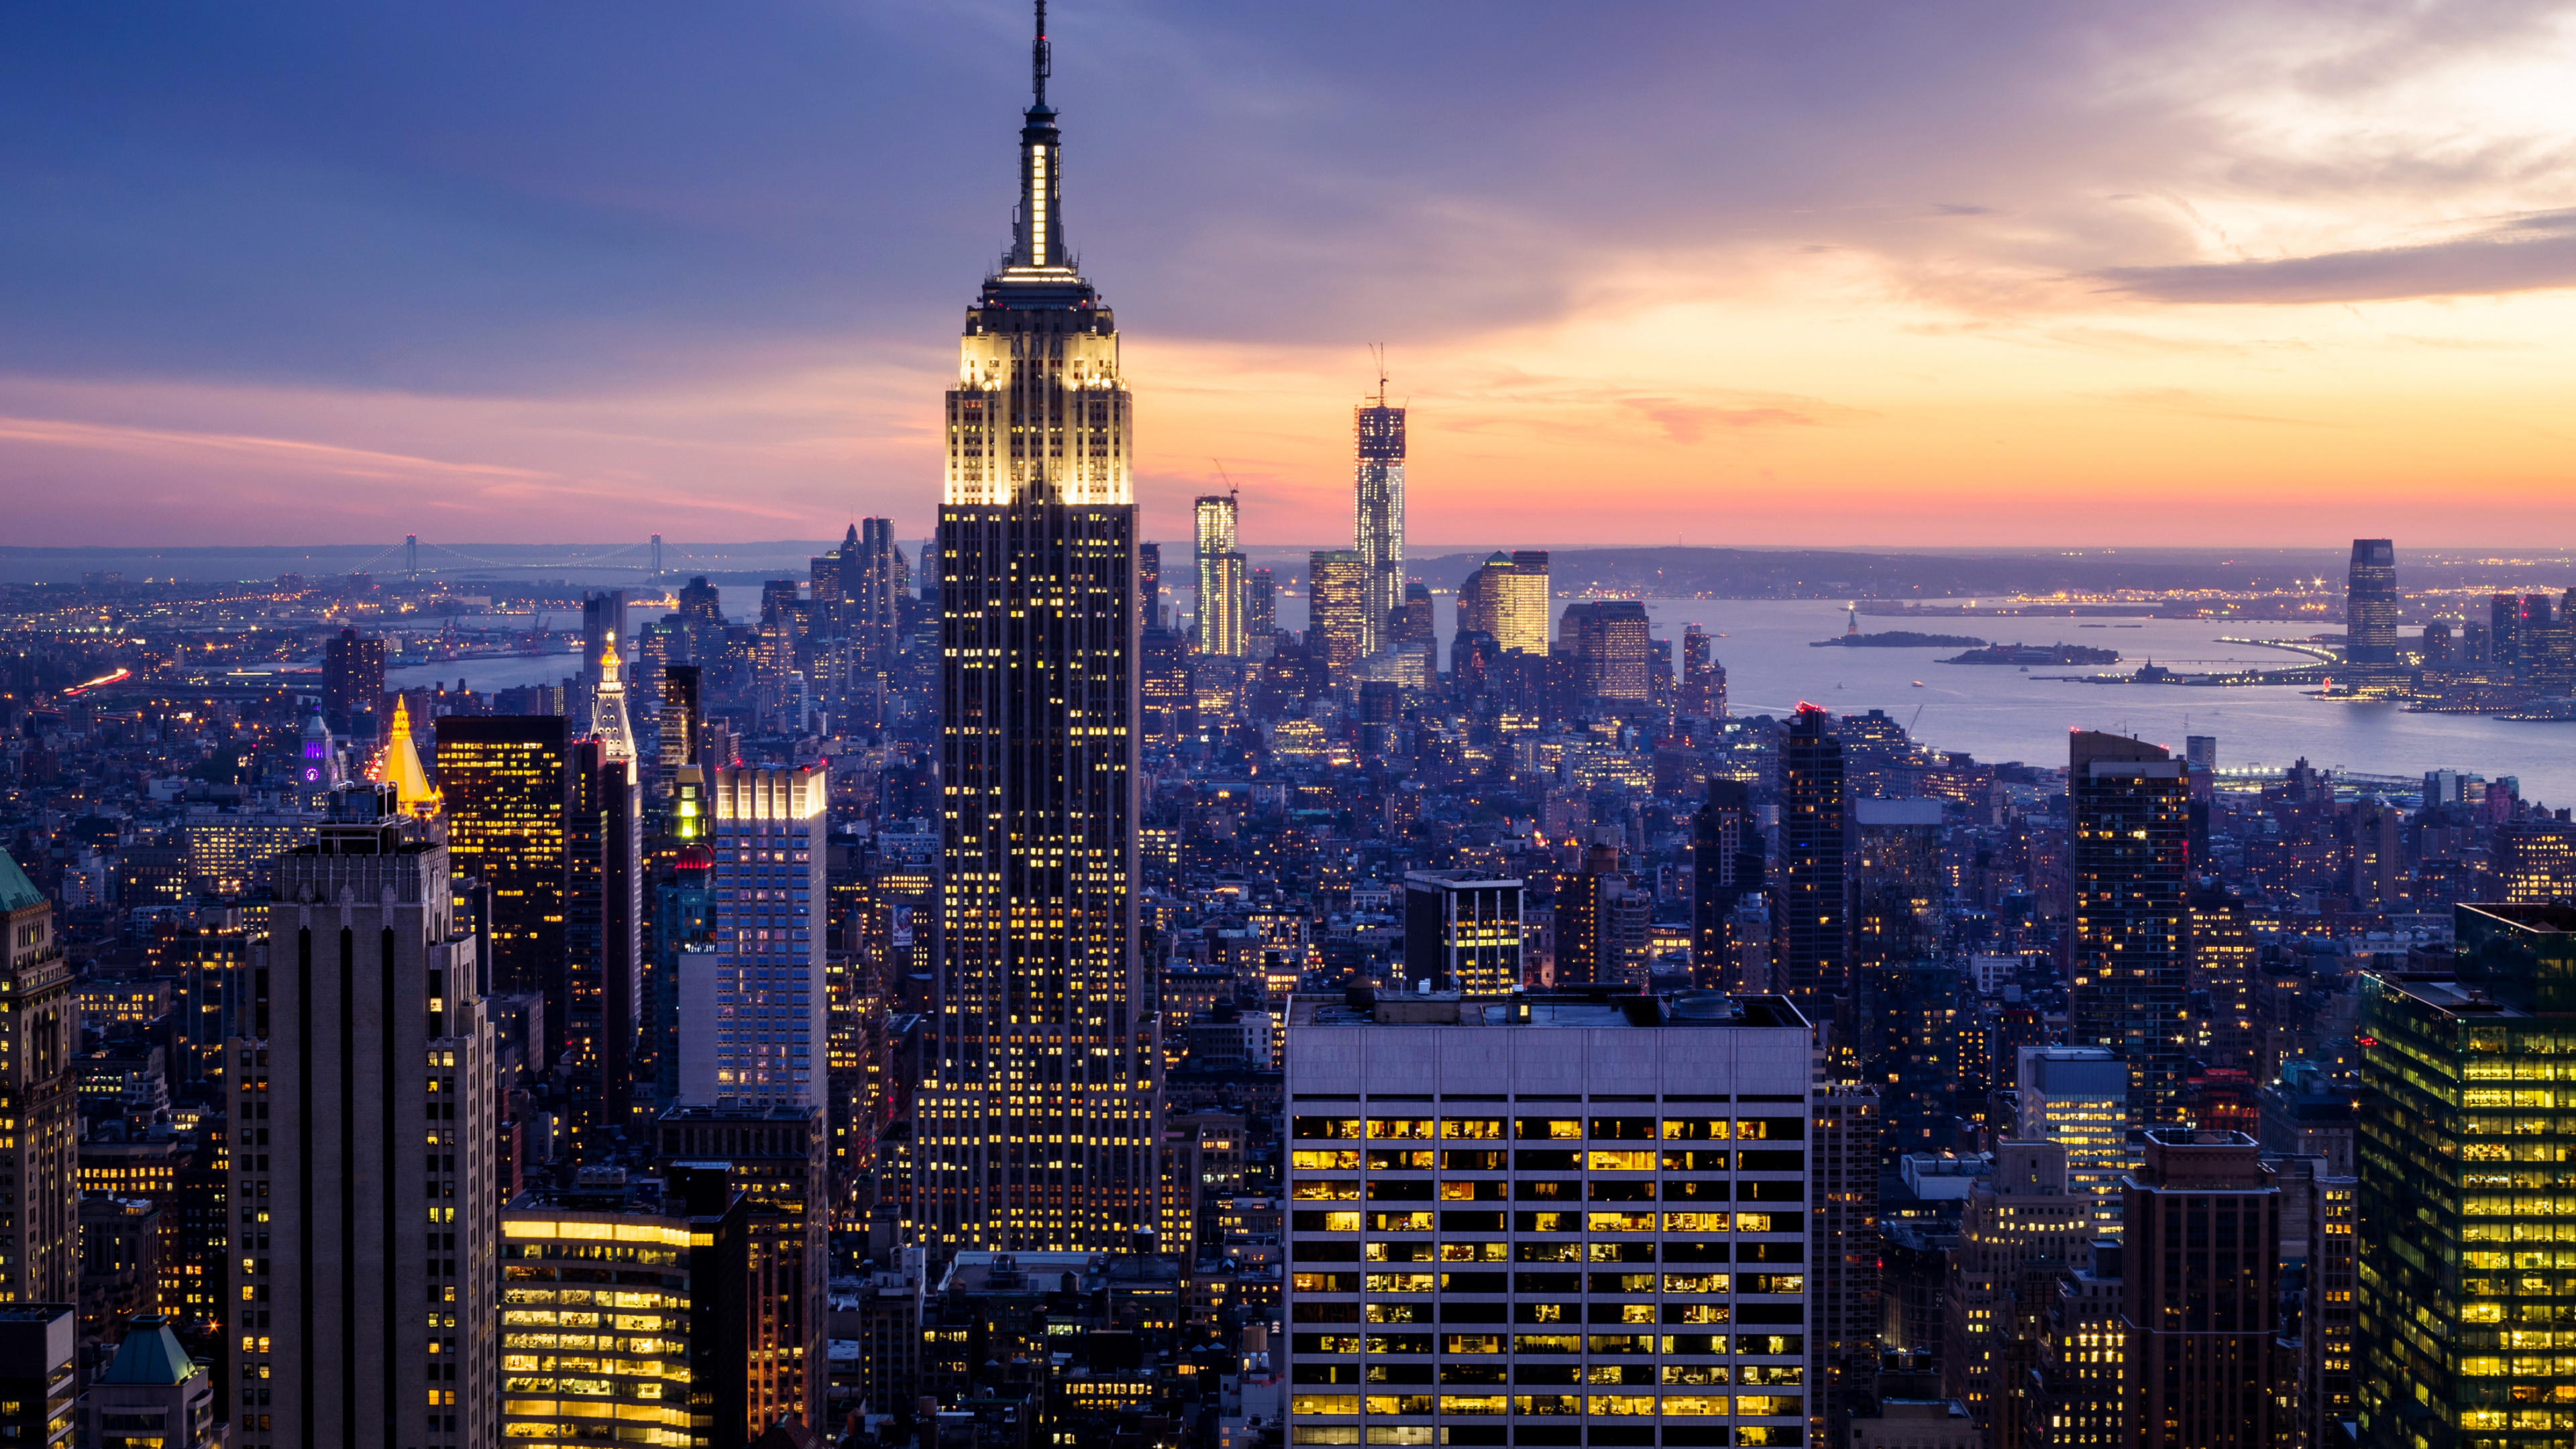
(1726, 867)
(1703, 679)
(2129, 868)
(505, 787)
(1896, 898)
(1337, 631)
(39, 1034)
(2199, 1293)
(1507, 597)
(1477, 1246)
(366, 1312)
(603, 627)
(1378, 512)
(353, 680)
(876, 595)
(751, 1011)
(1809, 940)
(2451, 1274)
(1260, 613)
(681, 716)
(1034, 1120)
(1611, 656)
(2078, 1098)
(604, 910)
(1220, 578)
(2370, 603)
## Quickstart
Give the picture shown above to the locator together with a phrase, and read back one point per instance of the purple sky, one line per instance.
(1745, 272)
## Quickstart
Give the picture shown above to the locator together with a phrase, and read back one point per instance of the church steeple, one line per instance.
(1039, 241)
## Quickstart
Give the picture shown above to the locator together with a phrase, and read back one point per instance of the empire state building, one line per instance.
(1034, 1125)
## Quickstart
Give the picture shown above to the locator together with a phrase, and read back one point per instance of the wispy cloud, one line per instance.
(2528, 253)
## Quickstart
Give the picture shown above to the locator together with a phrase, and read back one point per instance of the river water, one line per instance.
(1996, 713)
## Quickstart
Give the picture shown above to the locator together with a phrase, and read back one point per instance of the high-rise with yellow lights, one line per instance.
(1034, 1120)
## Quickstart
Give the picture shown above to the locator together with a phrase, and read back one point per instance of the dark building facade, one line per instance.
(1810, 959)
(353, 682)
(2370, 603)
(1726, 867)
(2130, 871)
(2200, 1293)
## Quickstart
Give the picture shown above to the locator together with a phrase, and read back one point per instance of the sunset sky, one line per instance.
(1769, 273)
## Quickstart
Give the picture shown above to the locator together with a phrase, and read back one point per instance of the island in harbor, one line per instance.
(1900, 639)
(2026, 654)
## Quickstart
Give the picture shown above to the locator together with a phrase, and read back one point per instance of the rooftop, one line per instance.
(1595, 1008)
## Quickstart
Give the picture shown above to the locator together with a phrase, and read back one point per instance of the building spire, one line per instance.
(1040, 61)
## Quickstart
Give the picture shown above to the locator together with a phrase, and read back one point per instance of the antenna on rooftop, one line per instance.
(1040, 59)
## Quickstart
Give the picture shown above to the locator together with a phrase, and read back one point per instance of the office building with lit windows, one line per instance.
(751, 1010)
(506, 791)
(2130, 867)
(362, 1149)
(1034, 1121)
(2078, 1098)
(2200, 1298)
(1377, 513)
(1507, 597)
(1462, 931)
(2459, 1151)
(1337, 631)
(1553, 1218)
(1221, 579)
(663, 1361)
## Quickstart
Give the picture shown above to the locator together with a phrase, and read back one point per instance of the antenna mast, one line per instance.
(1040, 59)
(1377, 350)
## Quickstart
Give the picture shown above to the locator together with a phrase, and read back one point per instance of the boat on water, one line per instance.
(1918, 684)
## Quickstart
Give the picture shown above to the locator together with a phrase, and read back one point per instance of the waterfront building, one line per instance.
(2130, 868)
(1034, 1123)
(1554, 1218)
(1613, 659)
(2370, 604)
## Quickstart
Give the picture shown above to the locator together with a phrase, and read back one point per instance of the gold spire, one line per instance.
(608, 719)
(401, 768)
